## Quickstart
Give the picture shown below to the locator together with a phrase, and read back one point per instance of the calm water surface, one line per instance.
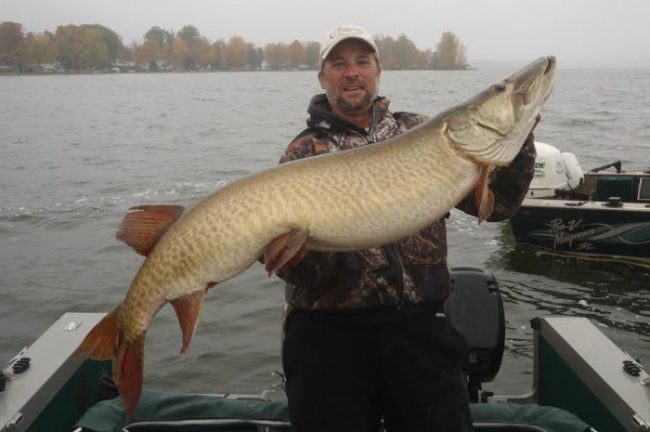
(77, 151)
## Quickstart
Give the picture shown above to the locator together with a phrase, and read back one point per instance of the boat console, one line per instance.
(581, 370)
(56, 384)
(644, 189)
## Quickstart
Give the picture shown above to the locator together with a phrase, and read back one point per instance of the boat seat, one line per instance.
(164, 411)
(238, 425)
(506, 427)
(622, 186)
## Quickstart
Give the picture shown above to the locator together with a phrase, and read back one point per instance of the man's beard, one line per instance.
(355, 106)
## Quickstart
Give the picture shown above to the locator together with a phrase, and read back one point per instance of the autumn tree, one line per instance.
(450, 53)
(236, 52)
(181, 54)
(312, 55)
(157, 46)
(255, 56)
(97, 55)
(148, 54)
(406, 54)
(108, 38)
(208, 55)
(88, 46)
(95, 47)
(270, 55)
(12, 39)
(275, 55)
(387, 54)
(296, 54)
(127, 53)
(221, 59)
(188, 46)
(69, 47)
(39, 48)
(162, 38)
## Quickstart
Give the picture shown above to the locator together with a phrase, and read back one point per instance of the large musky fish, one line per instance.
(356, 199)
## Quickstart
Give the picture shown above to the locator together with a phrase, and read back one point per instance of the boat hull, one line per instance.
(586, 229)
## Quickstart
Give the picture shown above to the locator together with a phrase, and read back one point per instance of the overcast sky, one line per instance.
(581, 33)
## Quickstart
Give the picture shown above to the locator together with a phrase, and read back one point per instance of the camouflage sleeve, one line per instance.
(508, 184)
(313, 262)
(304, 146)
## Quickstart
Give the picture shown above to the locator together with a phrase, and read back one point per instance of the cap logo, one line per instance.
(341, 33)
(344, 31)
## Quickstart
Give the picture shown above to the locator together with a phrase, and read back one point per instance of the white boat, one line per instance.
(602, 214)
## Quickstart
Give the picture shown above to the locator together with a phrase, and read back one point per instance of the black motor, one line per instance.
(475, 309)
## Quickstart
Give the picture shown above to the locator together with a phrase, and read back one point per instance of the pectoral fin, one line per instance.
(187, 310)
(484, 198)
(143, 226)
(286, 249)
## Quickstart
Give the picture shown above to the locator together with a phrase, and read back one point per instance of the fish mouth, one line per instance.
(550, 68)
(541, 67)
(534, 82)
(501, 118)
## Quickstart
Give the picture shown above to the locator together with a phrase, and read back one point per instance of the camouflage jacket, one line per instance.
(412, 270)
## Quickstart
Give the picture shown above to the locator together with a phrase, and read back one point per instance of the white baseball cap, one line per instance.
(340, 33)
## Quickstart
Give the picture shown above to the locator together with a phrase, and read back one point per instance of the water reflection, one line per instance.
(612, 294)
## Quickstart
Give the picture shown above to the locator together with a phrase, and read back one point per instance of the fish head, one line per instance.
(491, 127)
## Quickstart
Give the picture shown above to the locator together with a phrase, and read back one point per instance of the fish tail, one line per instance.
(106, 341)
(128, 371)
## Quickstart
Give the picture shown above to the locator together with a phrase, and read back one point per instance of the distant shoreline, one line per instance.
(143, 72)
(94, 47)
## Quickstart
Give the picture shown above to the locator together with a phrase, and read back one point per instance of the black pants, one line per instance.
(346, 371)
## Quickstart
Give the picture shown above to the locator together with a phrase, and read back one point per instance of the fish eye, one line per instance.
(499, 88)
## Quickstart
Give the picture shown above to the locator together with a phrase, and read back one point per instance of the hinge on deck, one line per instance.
(640, 424)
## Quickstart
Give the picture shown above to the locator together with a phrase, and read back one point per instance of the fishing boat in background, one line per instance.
(602, 214)
(582, 380)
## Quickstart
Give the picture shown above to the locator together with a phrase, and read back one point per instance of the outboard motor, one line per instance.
(475, 309)
(554, 170)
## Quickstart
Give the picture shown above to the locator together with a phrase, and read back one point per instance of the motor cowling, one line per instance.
(554, 170)
(475, 310)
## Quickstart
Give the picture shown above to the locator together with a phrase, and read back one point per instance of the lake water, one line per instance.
(77, 151)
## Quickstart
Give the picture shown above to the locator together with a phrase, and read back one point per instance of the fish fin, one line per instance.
(143, 225)
(106, 341)
(101, 342)
(128, 371)
(297, 257)
(284, 249)
(187, 310)
(484, 198)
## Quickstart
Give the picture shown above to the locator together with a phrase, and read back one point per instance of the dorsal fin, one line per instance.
(143, 225)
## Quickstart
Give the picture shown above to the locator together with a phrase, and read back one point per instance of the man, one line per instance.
(365, 336)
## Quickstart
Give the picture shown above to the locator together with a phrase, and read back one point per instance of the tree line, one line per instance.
(93, 47)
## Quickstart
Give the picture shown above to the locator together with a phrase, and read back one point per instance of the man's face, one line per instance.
(350, 77)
